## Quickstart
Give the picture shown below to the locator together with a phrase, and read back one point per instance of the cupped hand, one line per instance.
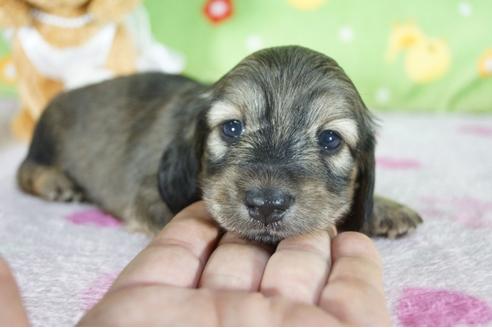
(191, 275)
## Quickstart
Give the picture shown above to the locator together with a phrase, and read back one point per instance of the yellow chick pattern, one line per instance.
(426, 59)
(485, 64)
(306, 4)
(7, 70)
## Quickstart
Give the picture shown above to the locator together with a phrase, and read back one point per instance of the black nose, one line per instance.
(267, 205)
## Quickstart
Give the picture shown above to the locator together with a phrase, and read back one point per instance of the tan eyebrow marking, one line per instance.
(347, 128)
(222, 111)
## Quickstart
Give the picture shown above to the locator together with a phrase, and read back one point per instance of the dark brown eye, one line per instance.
(232, 129)
(329, 140)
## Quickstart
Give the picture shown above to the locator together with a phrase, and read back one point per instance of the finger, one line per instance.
(173, 306)
(177, 255)
(236, 264)
(299, 268)
(12, 312)
(354, 292)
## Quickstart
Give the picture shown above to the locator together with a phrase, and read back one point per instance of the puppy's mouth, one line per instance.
(256, 228)
(264, 215)
(266, 234)
(267, 229)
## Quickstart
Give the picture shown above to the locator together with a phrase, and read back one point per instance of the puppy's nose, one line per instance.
(267, 205)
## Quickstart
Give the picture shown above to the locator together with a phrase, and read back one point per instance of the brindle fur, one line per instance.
(145, 146)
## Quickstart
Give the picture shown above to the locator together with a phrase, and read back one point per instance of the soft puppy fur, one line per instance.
(281, 145)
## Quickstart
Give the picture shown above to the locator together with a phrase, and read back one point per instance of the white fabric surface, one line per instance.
(440, 165)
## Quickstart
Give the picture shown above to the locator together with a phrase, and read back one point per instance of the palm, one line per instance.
(191, 275)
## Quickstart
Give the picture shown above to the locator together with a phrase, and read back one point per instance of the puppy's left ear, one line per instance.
(179, 169)
(363, 199)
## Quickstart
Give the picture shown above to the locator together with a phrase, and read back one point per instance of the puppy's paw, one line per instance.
(48, 183)
(391, 219)
(55, 186)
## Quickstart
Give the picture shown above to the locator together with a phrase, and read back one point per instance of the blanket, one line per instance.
(65, 256)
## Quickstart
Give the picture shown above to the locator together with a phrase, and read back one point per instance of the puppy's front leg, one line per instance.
(148, 213)
(391, 219)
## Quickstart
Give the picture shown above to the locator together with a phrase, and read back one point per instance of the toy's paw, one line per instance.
(391, 219)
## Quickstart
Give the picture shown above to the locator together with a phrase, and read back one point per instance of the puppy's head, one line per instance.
(290, 147)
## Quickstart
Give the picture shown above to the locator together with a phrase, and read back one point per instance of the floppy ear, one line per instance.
(363, 199)
(180, 167)
(111, 10)
(14, 13)
(178, 175)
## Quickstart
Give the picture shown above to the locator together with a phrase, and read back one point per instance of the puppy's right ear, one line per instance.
(179, 169)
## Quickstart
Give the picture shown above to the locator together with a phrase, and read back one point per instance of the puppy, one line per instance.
(281, 145)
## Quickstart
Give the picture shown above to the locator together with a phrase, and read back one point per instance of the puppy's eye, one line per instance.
(329, 140)
(232, 128)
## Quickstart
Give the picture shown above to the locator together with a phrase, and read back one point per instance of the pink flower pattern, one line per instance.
(436, 307)
(93, 217)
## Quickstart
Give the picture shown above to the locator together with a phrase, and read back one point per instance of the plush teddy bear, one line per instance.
(63, 44)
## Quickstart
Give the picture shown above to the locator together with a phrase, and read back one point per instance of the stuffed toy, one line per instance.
(63, 44)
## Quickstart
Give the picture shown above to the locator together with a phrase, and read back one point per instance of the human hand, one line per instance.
(216, 280)
(191, 275)
(12, 313)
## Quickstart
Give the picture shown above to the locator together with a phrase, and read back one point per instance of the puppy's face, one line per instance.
(289, 146)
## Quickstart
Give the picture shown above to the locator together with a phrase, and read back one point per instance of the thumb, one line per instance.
(12, 312)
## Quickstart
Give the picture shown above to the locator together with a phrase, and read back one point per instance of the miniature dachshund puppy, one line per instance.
(281, 145)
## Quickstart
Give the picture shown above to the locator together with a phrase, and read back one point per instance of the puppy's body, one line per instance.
(145, 146)
(103, 143)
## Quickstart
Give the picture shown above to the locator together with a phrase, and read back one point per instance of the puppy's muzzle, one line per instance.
(267, 205)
